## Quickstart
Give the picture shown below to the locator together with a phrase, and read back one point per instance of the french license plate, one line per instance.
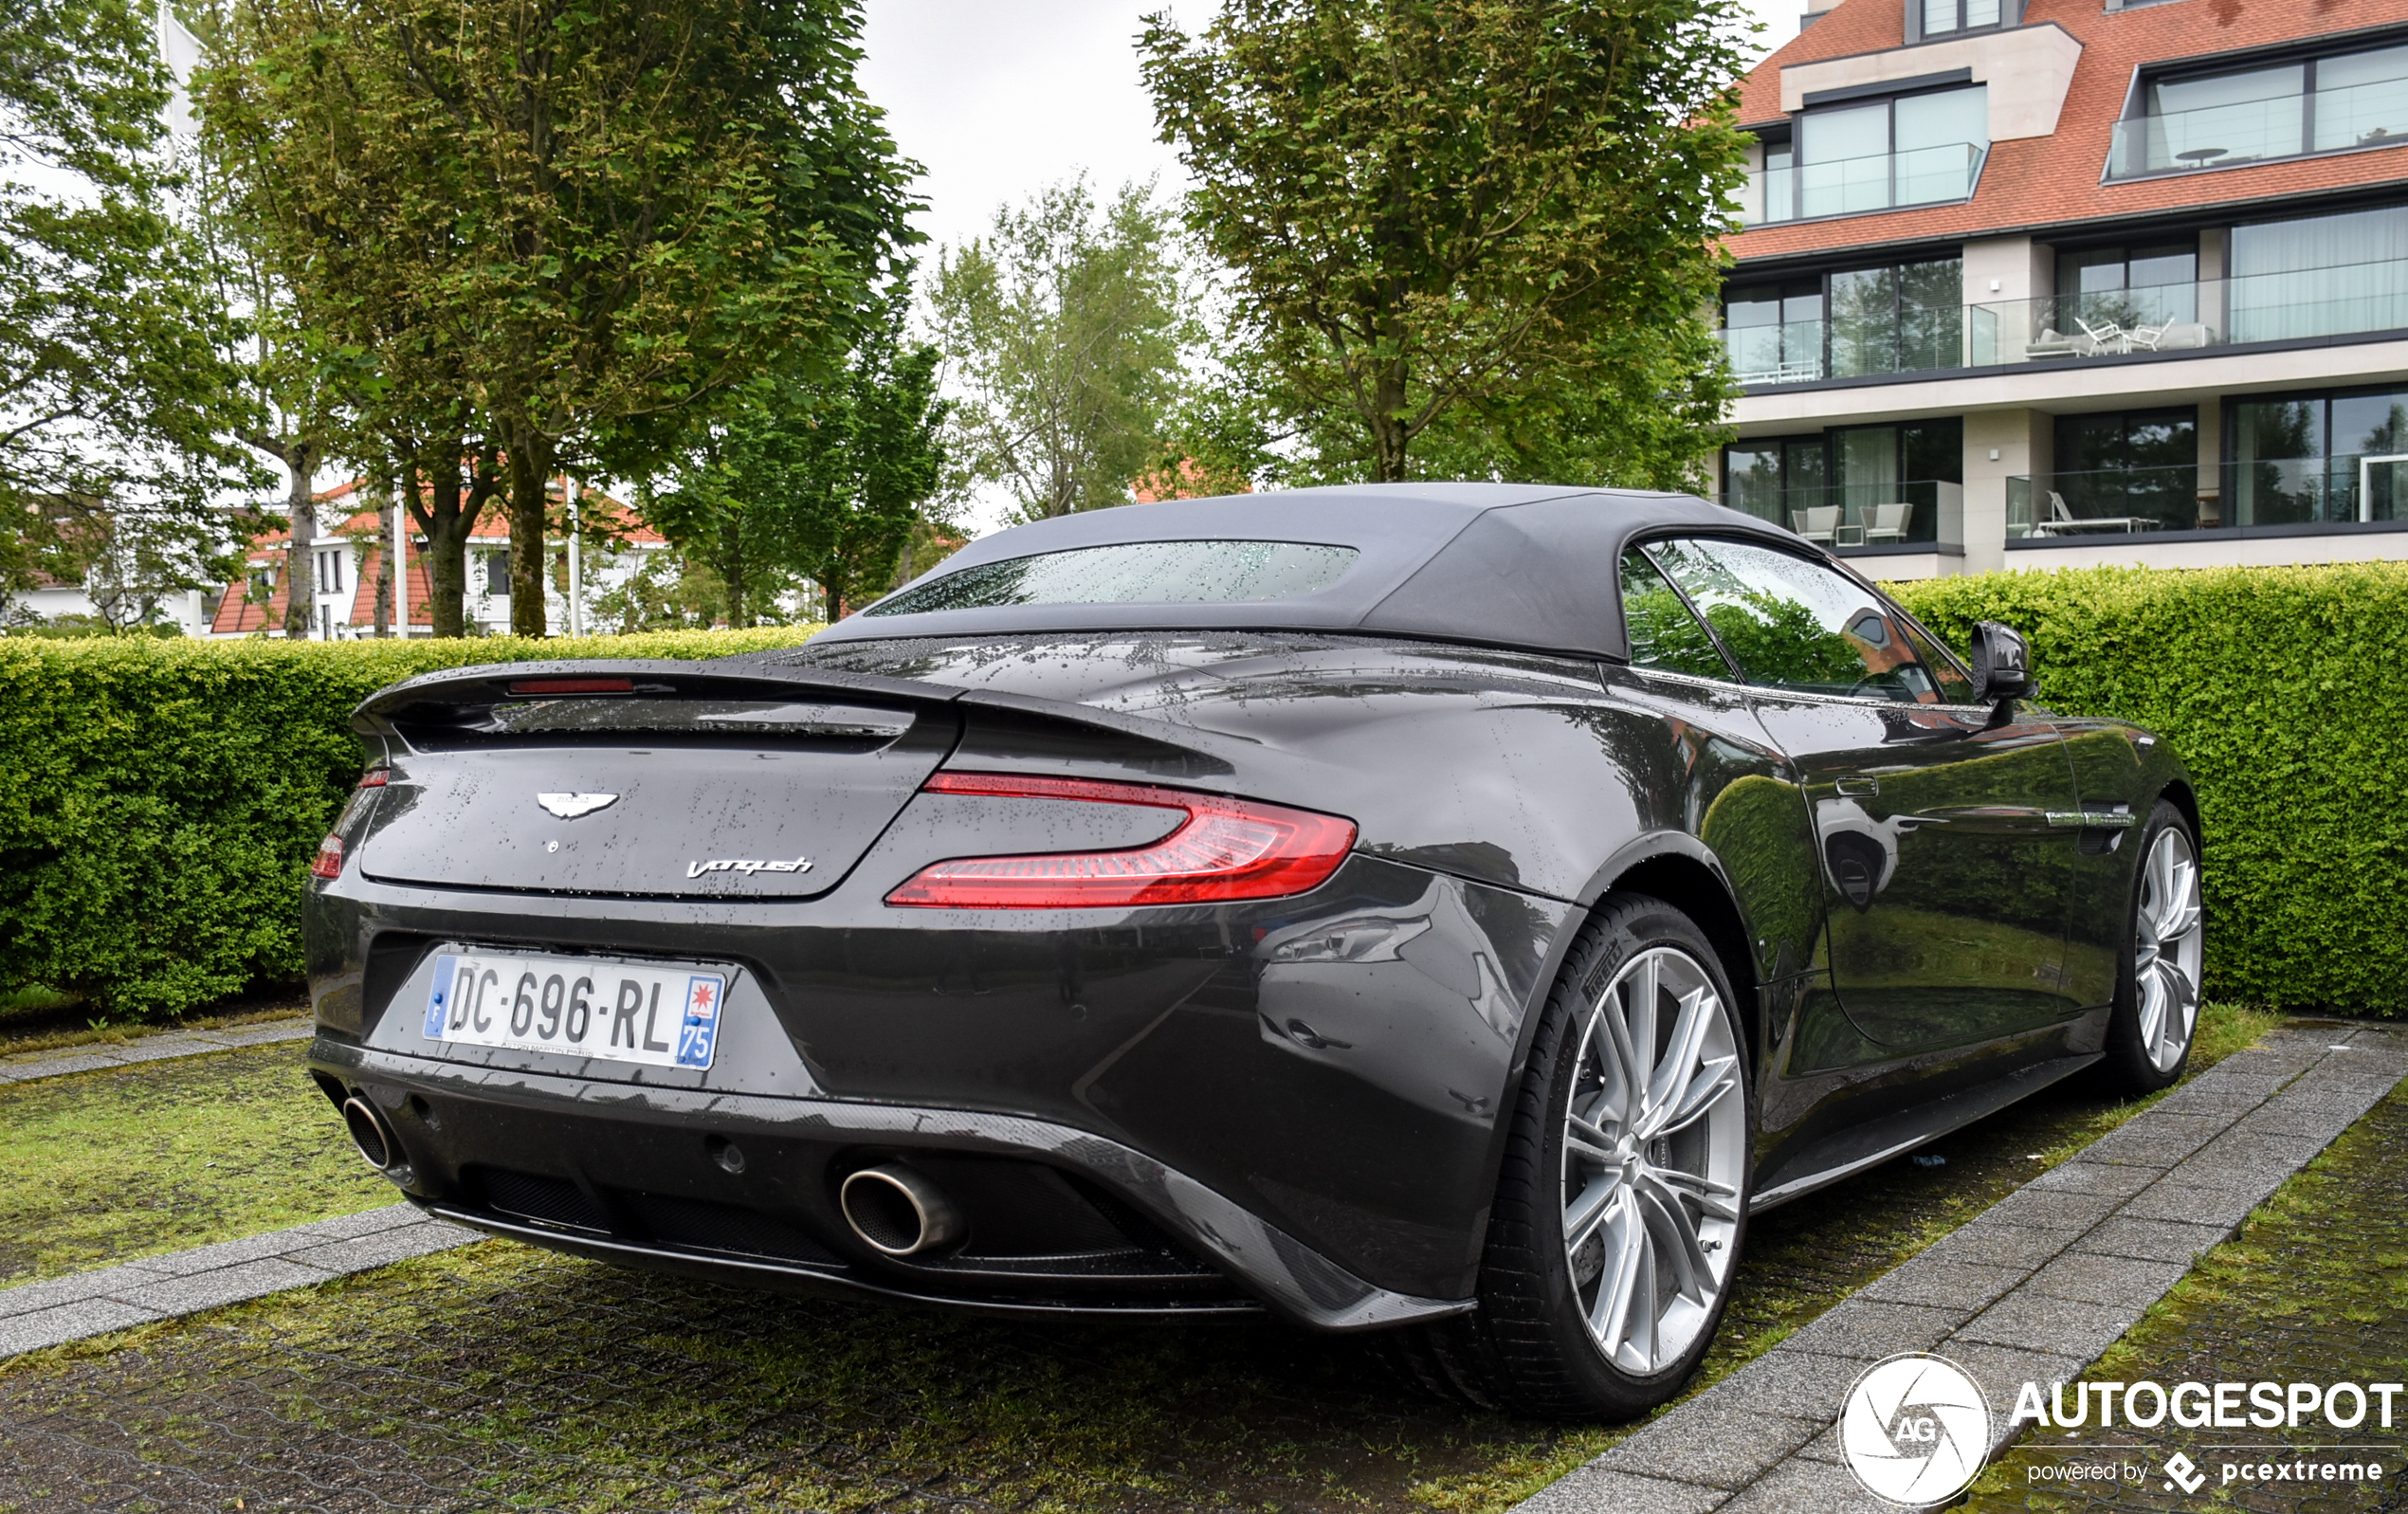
(577, 1007)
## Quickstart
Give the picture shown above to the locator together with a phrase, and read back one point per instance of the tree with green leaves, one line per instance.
(115, 398)
(1064, 327)
(588, 220)
(1468, 237)
(819, 477)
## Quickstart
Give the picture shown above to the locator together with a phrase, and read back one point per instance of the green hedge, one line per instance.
(159, 799)
(2285, 690)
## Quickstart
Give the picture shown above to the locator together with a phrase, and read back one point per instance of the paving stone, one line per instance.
(2085, 1176)
(264, 1034)
(1963, 1286)
(2125, 1282)
(226, 1285)
(366, 1222)
(2158, 1142)
(30, 1298)
(2152, 1240)
(1866, 1330)
(2320, 1122)
(160, 1049)
(60, 1067)
(2223, 1207)
(2061, 1327)
(1716, 1441)
(1803, 1487)
(365, 1251)
(221, 1254)
(2050, 1209)
(1798, 1384)
(1986, 1242)
(68, 1321)
(1592, 1489)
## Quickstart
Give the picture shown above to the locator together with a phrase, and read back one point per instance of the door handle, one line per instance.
(1859, 788)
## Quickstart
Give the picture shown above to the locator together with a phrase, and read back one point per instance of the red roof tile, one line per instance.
(2056, 180)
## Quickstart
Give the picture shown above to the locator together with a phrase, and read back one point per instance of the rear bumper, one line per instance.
(640, 1175)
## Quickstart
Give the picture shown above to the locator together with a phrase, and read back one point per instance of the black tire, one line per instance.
(1530, 1347)
(2130, 1065)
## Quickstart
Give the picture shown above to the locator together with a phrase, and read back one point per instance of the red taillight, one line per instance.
(572, 686)
(329, 861)
(373, 778)
(1225, 850)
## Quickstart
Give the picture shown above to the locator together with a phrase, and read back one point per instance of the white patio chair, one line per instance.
(2102, 339)
(1889, 522)
(1817, 522)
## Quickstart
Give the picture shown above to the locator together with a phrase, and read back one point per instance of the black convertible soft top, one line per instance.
(1499, 564)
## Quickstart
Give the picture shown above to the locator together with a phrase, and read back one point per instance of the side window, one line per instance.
(1664, 635)
(1955, 688)
(1794, 624)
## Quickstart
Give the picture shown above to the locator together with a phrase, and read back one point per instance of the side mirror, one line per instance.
(2001, 664)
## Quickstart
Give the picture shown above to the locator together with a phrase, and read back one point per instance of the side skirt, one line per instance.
(1852, 1150)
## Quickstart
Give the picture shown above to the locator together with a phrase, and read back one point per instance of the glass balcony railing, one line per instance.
(2357, 299)
(2374, 114)
(1851, 186)
(2110, 503)
(1928, 514)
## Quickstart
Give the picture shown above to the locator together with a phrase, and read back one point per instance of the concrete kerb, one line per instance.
(2033, 1289)
(103, 1055)
(35, 1315)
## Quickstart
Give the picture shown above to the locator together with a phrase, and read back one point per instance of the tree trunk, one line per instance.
(299, 458)
(447, 519)
(531, 456)
(731, 567)
(383, 612)
(1388, 424)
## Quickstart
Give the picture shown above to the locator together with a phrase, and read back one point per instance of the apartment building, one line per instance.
(2031, 283)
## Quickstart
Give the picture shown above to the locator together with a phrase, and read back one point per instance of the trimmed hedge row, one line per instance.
(2285, 690)
(159, 799)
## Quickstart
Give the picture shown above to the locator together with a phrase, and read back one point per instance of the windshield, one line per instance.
(1158, 572)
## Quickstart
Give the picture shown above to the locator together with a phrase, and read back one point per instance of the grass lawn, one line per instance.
(2313, 1289)
(501, 1374)
(103, 1167)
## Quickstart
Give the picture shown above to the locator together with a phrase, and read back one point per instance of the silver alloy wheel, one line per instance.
(1654, 1135)
(2168, 932)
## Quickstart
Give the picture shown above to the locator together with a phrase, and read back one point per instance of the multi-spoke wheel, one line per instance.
(1654, 1135)
(2156, 1000)
(1623, 1197)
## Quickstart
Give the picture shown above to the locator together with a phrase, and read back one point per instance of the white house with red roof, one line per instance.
(344, 562)
(2033, 283)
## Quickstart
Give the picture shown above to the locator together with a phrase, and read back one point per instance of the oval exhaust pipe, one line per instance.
(368, 1133)
(900, 1213)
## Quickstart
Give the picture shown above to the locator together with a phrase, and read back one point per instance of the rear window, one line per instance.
(1149, 572)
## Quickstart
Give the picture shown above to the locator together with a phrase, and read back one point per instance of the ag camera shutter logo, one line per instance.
(1915, 1428)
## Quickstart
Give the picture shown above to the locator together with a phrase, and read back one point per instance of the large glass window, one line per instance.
(2309, 458)
(1885, 485)
(1775, 332)
(2124, 471)
(1940, 16)
(2126, 287)
(1793, 624)
(1897, 320)
(2320, 276)
(2280, 110)
(1915, 149)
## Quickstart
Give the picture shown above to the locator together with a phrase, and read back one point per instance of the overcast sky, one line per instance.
(999, 98)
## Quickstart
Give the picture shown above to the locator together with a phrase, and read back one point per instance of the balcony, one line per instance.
(1919, 514)
(2278, 496)
(2357, 116)
(1852, 186)
(2357, 299)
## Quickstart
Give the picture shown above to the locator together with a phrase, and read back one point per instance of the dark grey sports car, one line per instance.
(1446, 911)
